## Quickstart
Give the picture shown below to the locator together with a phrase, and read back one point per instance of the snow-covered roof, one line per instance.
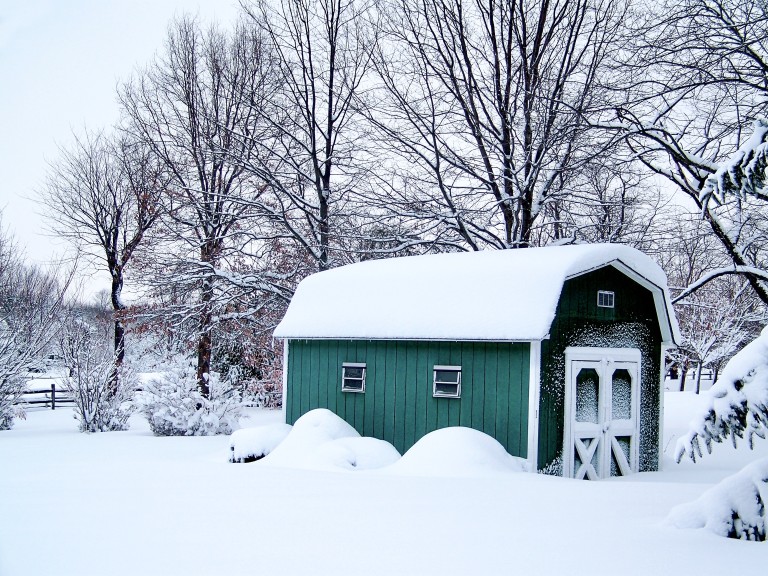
(497, 295)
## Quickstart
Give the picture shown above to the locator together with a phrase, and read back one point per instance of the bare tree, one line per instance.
(323, 54)
(698, 80)
(31, 306)
(186, 106)
(102, 195)
(716, 320)
(489, 109)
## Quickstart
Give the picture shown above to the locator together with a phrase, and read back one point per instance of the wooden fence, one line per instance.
(50, 397)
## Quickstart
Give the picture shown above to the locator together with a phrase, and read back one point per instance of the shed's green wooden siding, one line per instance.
(632, 323)
(397, 405)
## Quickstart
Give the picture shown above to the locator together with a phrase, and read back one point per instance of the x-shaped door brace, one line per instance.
(586, 453)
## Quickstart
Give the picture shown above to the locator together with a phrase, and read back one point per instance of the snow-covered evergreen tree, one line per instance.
(734, 508)
(738, 402)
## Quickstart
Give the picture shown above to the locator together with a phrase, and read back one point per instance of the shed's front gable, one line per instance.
(632, 323)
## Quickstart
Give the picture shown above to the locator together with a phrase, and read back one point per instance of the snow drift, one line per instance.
(322, 440)
(457, 451)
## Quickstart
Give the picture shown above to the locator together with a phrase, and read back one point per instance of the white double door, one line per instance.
(602, 412)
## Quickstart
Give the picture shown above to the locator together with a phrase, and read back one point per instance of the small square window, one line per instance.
(447, 382)
(352, 377)
(605, 299)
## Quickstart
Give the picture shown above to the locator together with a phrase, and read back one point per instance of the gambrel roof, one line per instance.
(496, 295)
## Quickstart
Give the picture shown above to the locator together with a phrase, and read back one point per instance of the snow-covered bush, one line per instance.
(102, 392)
(102, 404)
(10, 391)
(738, 402)
(264, 394)
(734, 508)
(174, 407)
(322, 440)
(458, 451)
(251, 444)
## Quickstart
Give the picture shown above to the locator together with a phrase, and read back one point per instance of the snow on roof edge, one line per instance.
(508, 295)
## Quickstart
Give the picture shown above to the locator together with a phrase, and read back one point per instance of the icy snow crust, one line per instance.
(500, 295)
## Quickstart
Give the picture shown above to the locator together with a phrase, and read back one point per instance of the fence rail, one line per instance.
(51, 397)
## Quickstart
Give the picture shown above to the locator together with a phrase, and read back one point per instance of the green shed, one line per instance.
(556, 352)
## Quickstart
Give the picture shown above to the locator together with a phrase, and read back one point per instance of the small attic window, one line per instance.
(352, 377)
(447, 382)
(605, 299)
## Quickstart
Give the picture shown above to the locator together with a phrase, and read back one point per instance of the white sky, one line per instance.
(60, 63)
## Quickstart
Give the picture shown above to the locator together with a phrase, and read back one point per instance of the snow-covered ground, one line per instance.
(128, 503)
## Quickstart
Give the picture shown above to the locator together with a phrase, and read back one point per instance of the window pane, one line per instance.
(587, 383)
(351, 384)
(447, 376)
(621, 395)
(446, 389)
(605, 299)
(350, 372)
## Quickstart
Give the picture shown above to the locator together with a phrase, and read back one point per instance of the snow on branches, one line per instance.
(744, 173)
(734, 508)
(738, 403)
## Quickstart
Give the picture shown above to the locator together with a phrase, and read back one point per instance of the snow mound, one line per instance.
(322, 440)
(359, 453)
(737, 405)
(249, 444)
(458, 451)
(734, 508)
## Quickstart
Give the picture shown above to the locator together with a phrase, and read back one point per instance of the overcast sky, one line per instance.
(60, 62)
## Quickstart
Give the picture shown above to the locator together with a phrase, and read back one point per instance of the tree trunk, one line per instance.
(683, 374)
(698, 377)
(205, 344)
(119, 330)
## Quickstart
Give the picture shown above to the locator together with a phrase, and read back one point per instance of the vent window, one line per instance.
(605, 299)
(447, 382)
(352, 377)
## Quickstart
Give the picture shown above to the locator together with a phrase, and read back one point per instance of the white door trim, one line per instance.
(534, 388)
(628, 358)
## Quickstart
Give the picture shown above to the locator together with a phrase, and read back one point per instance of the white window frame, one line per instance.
(609, 295)
(344, 377)
(435, 381)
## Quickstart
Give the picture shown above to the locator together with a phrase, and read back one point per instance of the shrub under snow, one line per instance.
(173, 406)
(100, 404)
(734, 508)
(250, 444)
(458, 451)
(320, 439)
(103, 398)
(738, 402)
(11, 389)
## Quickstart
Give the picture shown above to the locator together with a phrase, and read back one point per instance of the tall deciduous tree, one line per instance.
(489, 110)
(102, 195)
(31, 308)
(322, 51)
(698, 80)
(186, 106)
